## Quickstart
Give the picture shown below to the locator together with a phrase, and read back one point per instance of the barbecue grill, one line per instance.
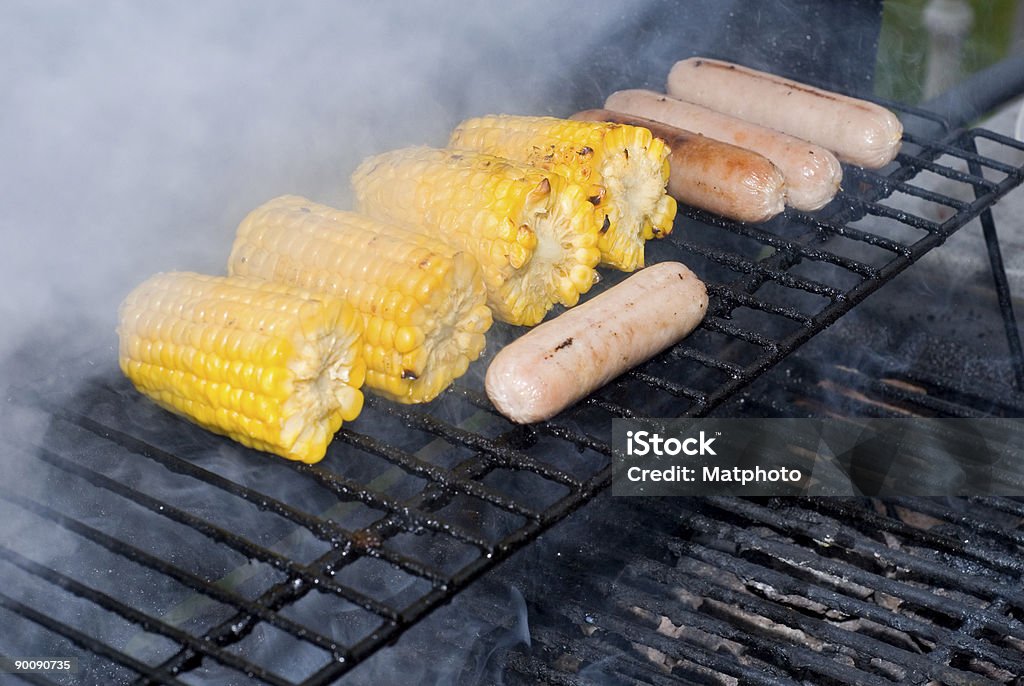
(238, 568)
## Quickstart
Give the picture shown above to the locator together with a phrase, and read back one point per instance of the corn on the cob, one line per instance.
(424, 308)
(623, 169)
(271, 366)
(532, 231)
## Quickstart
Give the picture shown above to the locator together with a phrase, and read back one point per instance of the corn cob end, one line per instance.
(634, 171)
(271, 367)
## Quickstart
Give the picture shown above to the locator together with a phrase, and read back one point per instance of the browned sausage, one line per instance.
(857, 131)
(812, 172)
(566, 358)
(721, 178)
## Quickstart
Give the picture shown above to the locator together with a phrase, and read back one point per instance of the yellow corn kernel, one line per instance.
(528, 228)
(415, 294)
(624, 170)
(271, 366)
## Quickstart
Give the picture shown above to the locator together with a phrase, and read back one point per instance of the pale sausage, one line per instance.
(857, 131)
(566, 358)
(812, 172)
(734, 182)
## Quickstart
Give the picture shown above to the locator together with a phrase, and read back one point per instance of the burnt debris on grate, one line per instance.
(825, 591)
(153, 550)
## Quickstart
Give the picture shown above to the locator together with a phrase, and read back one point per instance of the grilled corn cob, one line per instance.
(623, 169)
(268, 365)
(424, 308)
(533, 232)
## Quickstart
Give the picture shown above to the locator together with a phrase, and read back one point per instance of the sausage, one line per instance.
(857, 131)
(566, 358)
(812, 172)
(734, 182)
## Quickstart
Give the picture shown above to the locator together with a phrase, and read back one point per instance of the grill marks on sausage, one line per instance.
(793, 86)
(561, 346)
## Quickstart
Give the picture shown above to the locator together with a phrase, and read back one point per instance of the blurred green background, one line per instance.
(903, 44)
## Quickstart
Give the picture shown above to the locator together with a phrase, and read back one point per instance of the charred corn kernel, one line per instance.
(274, 367)
(528, 228)
(415, 294)
(624, 170)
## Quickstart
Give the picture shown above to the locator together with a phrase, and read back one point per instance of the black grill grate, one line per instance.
(207, 560)
(786, 591)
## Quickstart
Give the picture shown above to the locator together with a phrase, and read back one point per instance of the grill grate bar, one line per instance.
(781, 244)
(411, 517)
(723, 555)
(806, 524)
(1006, 537)
(581, 440)
(787, 583)
(968, 154)
(865, 645)
(129, 552)
(923, 164)
(724, 326)
(647, 582)
(827, 227)
(1001, 283)
(439, 477)
(730, 295)
(662, 384)
(495, 451)
(996, 559)
(625, 624)
(147, 623)
(743, 265)
(1009, 141)
(886, 186)
(947, 649)
(902, 216)
(682, 350)
(216, 534)
(802, 577)
(596, 648)
(1000, 504)
(324, 529)
(86, 642)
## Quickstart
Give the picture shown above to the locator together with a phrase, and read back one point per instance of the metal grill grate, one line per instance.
(209, 561)
(823, 591)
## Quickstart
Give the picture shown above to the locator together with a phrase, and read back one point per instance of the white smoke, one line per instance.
(136, 136)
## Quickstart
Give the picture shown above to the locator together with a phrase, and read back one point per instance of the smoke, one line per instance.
(137, 135)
